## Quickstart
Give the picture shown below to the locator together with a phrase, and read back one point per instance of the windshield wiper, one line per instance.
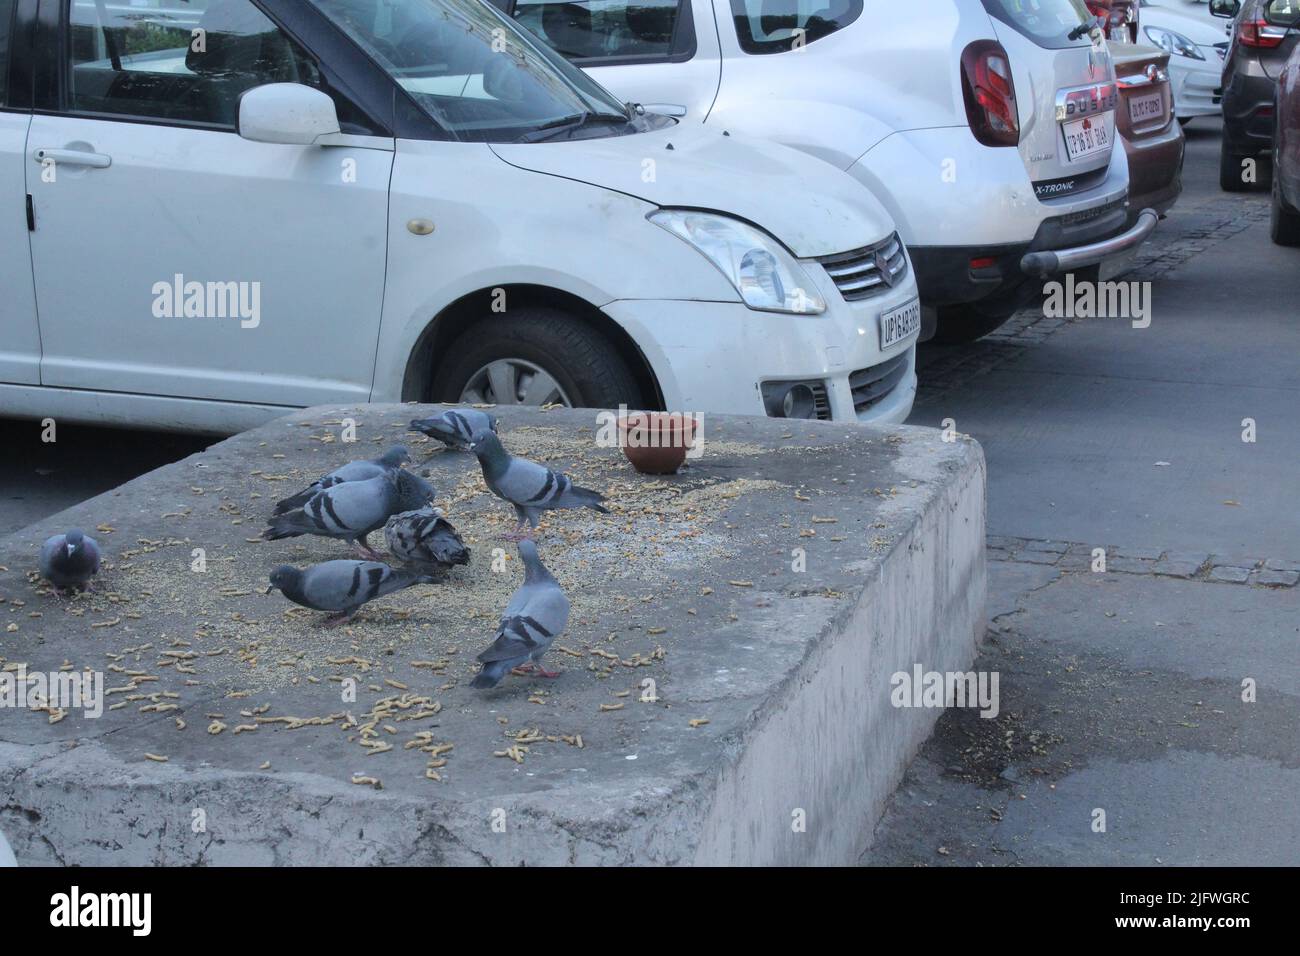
(568, 124)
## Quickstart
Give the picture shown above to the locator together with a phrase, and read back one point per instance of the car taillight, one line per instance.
(1260, 33)
(990, 94)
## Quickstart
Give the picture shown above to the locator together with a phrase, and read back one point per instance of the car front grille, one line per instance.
(871, 385)
(869, 271)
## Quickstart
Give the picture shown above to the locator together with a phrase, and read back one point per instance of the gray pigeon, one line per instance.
(70, 560)
(352, 510)
(530, 487)
(391, 460)
(341, 586)
(456, 427)
(537, 614)
(425, 538)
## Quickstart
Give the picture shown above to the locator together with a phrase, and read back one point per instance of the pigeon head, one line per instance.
(283, 577)
(486, 444)
(395, 457)
(73, 540)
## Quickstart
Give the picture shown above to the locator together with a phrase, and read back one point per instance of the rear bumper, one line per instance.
(1155, 165)
(1248, 113)
(1048, 262)
(945, 276)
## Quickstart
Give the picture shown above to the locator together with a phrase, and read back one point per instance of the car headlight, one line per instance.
(767, 277)
(1174, 42)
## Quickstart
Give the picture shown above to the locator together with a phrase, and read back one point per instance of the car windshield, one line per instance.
(480, 77)
(1049, 23)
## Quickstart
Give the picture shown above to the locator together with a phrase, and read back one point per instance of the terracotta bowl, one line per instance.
(656, 442)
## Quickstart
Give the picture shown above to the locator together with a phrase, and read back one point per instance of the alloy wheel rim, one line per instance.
(513, 381)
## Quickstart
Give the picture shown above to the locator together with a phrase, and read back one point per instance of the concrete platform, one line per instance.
(230, 741)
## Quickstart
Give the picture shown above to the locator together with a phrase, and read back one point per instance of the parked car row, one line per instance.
(218, 209)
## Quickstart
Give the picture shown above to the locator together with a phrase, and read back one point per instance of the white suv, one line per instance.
(984, 126)
(214, 210)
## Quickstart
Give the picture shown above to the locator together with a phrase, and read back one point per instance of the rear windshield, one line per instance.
(1047, 22)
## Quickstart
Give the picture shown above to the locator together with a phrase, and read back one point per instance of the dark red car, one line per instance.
(1145, 120)
(1286, 154)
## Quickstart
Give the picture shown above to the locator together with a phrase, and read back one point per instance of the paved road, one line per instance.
(1122, 692)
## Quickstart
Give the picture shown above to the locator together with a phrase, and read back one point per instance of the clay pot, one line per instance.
(656, 442)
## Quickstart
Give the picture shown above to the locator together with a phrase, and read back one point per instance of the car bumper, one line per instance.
(715, 357)
(1248, 113)
(1062, 242)
(986, 209)
(1196, 84)
(1155, 164)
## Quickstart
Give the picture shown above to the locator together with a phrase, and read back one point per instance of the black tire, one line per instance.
(1230, 171)
(1284, 222)
(584, 363)
(962, 324)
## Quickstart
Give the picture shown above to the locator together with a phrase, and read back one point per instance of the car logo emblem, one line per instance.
(882, 266)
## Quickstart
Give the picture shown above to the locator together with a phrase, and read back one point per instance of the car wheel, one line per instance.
(537, 356)
(1231, 173)
(1284, 223)
(960, 324)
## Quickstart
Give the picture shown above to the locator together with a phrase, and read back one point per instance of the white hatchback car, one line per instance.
(219, 209)
(985, 127)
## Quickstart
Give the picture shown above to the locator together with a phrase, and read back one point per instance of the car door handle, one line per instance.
(72, 157)
(667, 109)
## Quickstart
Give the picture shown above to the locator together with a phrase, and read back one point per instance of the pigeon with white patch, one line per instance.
(69, 561)
(341, 587)
(354, 509)
(389, 461)
(426, 539)
(531, 488)
(456, 427)
(537, 614)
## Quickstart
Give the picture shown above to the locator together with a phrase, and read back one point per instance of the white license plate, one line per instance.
(901, 323)
(1086, 137)
(1149, 106)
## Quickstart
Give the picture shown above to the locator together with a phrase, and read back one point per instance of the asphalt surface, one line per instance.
(1120, 691)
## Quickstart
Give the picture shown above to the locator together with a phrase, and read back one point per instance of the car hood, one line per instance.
(810, 206)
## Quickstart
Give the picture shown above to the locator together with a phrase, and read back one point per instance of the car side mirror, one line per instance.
(1225, 8)
(287, 113)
